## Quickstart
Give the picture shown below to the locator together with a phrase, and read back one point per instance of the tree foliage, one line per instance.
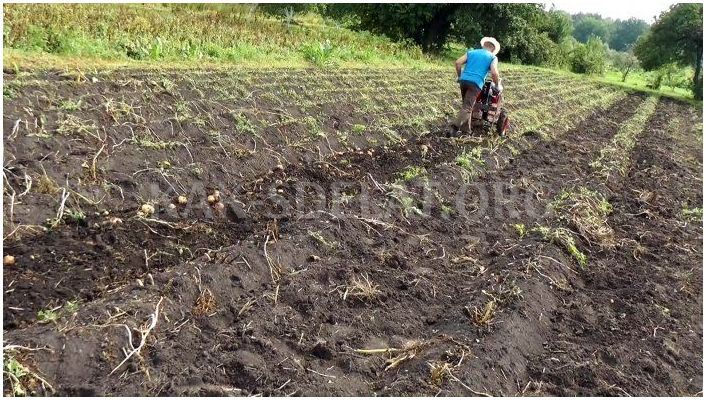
(676, 37)
(427, 25)
(430, 26)
(626, 32)
(620, 35)
(559, 25)
(591, 25)
(283, 9)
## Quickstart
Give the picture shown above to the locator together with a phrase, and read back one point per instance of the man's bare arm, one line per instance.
(459, 64)
(494, 73)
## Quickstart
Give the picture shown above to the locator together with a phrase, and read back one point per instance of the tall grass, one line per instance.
(228, 32)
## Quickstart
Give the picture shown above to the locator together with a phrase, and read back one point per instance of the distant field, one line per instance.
(638, 81)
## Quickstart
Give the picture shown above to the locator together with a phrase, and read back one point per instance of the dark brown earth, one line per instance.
(259, 297)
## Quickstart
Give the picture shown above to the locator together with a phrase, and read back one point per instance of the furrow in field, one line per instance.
(614, 159)
(649, 278)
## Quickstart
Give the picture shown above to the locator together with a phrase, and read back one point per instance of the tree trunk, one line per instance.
(698, 89)
(437, 29)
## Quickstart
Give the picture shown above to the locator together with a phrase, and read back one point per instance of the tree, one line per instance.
(559, 25)
(677, 36)
(625, 63)
(432, 25)
(514, 25)
(427, 25)
(587, 25)
(626, 33)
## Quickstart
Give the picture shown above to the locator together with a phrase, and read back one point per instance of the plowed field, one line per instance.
(308, 232)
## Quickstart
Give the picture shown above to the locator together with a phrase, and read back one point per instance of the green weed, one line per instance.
(563, 237)
(471, 163)
(75, 216)
(166, 84)
(447, 210)
(587, 211)
(71, 125)
(520, 229)
(321, 239)
(692, 214)
(409, 206)
(71, 307)
(412, 172)
(164, 165)
(48, 316)
(70, 105)
(242, 123)
(182, 112)
(22, 381)
(313, 127)
(16, 373)
(391, 135)
(9, 91)
(318, 53)
(151, 142)
(47, 185)
(358, 129)
(119, 109)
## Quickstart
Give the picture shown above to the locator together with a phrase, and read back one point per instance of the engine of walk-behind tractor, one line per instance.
(488, 112)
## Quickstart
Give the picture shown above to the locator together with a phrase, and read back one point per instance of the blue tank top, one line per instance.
(477, 66)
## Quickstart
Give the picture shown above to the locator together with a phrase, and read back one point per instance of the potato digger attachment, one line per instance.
(488, 112)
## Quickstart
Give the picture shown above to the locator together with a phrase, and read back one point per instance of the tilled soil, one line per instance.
(337, 275)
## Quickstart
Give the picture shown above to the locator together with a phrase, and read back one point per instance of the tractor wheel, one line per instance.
(502, 123)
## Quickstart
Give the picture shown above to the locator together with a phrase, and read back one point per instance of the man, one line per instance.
(471, 78)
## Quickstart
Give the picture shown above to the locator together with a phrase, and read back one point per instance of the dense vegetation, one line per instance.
(180, 32)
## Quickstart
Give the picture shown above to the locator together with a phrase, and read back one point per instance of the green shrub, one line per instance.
(589, 58)
(537, 49)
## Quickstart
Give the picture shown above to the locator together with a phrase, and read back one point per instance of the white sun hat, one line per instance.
(493, 42)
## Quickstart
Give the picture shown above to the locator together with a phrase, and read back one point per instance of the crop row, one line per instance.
(226, 87)
(370, 100)
(586, 211)
(280, 123)
(559, 118)
(371, 97)
(240, 83)
(471, 162)
(614, 158)
(280, 76)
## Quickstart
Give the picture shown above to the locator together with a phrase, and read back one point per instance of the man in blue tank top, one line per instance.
(471, 77)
